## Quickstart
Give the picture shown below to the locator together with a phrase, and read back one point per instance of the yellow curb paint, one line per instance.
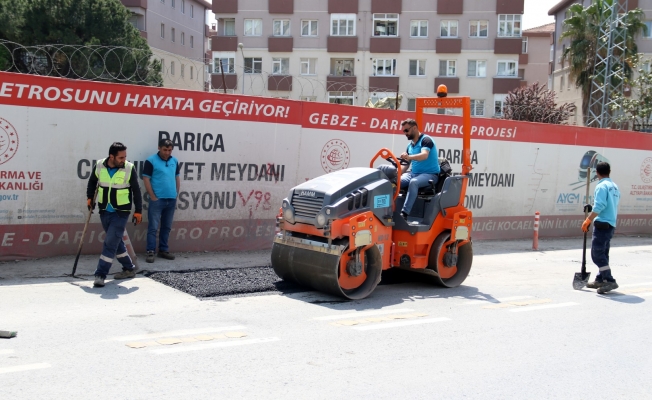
(376, 319)
(136, 345)
(235, 335)
(204, 338)
(219, 336)
(419, 315)
(188, 340)
(169, 341)
(348, 323)
(518, 303)
(152, 343)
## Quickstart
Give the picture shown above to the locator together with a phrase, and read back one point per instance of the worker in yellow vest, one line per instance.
(117, 189)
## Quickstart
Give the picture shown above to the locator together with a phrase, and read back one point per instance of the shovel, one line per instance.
(582, 278)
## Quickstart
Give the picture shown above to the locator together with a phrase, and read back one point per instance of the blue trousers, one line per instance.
(413, 182)
(114, 224)
(600, 252)
(160, 213)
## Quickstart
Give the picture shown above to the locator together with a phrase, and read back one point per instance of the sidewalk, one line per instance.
(59, 267)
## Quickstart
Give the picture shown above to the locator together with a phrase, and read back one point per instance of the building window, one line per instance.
(172, 2)
(229, 27)
(385, 24)
(343, 24)
(183, 67)
(309, 27)
(477, 108)
(172, 68)
(281, 27)
(341, 98)
(479, 28)
(384, 66)
(419, 28)
(192, 72)
(509, 25)
(308, 98)
(163, 65)
(417, 68)
(253, 65)
(507, 68)
(308, 66)
(226, 61)
(163, 30)
(568, 81)
(448, 28)
(253, 27)
(183, 38)
(524, 45)
(499, 104)
(412, 105)
(192, 11)
(183, 6)
(192, 42)
(172, 34)
(648, 31)
(552, 52)
(280, 66)
(342, 67)
(477, 68)
(561, 83)
(447, 67)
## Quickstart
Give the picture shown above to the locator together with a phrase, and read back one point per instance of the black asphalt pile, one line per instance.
(225, 282)
(239, 281)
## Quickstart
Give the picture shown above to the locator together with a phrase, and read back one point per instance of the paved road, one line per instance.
(515, 330)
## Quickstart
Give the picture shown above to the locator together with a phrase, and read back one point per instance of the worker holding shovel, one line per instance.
(603, 215)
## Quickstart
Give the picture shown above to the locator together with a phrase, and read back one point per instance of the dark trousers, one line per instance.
(160, 213)
(114, 224)
(600, 252)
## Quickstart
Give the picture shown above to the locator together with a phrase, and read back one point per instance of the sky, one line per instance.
(536, 13)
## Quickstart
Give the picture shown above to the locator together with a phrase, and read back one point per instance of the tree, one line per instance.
(77, 39)
(535, 103)
(583, 30)
(637, 108)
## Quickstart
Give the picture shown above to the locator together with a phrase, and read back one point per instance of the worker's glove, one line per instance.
(586, 224)
(588, 208)
(90, 205)
(137, 219)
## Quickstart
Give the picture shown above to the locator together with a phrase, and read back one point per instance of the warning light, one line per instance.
(442, 91)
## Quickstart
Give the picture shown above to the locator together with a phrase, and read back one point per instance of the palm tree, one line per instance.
(583, 30)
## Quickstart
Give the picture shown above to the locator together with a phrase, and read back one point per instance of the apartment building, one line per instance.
(177, 33)
(535, 58)
(352, 51)
(560, 81)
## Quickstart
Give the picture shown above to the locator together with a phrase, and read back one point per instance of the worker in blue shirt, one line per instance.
(421, 153)
(603, 215)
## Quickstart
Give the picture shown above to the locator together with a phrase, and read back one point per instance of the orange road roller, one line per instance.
(338, 232)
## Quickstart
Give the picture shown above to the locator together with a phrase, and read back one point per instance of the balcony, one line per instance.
(280, 44)
(383, 83)
(224, 43)
(342, 44)
(342, 6)
(523, 59)
(281, 6)
(225, 7)
(341, 83)
(510, 6)
(387, 6)
(385, 45)
(505, 85)
(137, 3)
(448, 46)
(231, 81)
(279, 82)
(452, 83)
(508, 45)
(450, 7)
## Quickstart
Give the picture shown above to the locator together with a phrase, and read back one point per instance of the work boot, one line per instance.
(596, 284)
(99, 282)
(150, 257)
(126, 273)
(607, 287)
(166, 254)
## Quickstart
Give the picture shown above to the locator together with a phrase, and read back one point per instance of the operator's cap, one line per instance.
(442, 91)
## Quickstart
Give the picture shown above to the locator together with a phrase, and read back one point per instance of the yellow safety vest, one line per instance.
(114, 190)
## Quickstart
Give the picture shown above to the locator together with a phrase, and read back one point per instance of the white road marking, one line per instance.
(177, 333)
(400, 323)
(557, 305)
(636, 284)
(181, 349)
(363, 314)
(26, 367)
(496, 301)
(6, 351)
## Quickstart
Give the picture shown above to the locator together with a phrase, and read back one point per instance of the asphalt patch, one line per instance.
(250, 280)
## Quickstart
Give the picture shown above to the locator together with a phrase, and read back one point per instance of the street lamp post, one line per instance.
(241, 47)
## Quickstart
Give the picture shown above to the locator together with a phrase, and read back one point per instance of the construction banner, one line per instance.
(240, 155)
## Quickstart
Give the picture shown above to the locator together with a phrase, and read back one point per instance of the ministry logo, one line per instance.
(335, 155)
(8, 141)
(646, 170)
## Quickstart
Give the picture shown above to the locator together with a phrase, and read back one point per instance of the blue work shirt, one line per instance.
(162, 175)
(431, 164)
(605, 201)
